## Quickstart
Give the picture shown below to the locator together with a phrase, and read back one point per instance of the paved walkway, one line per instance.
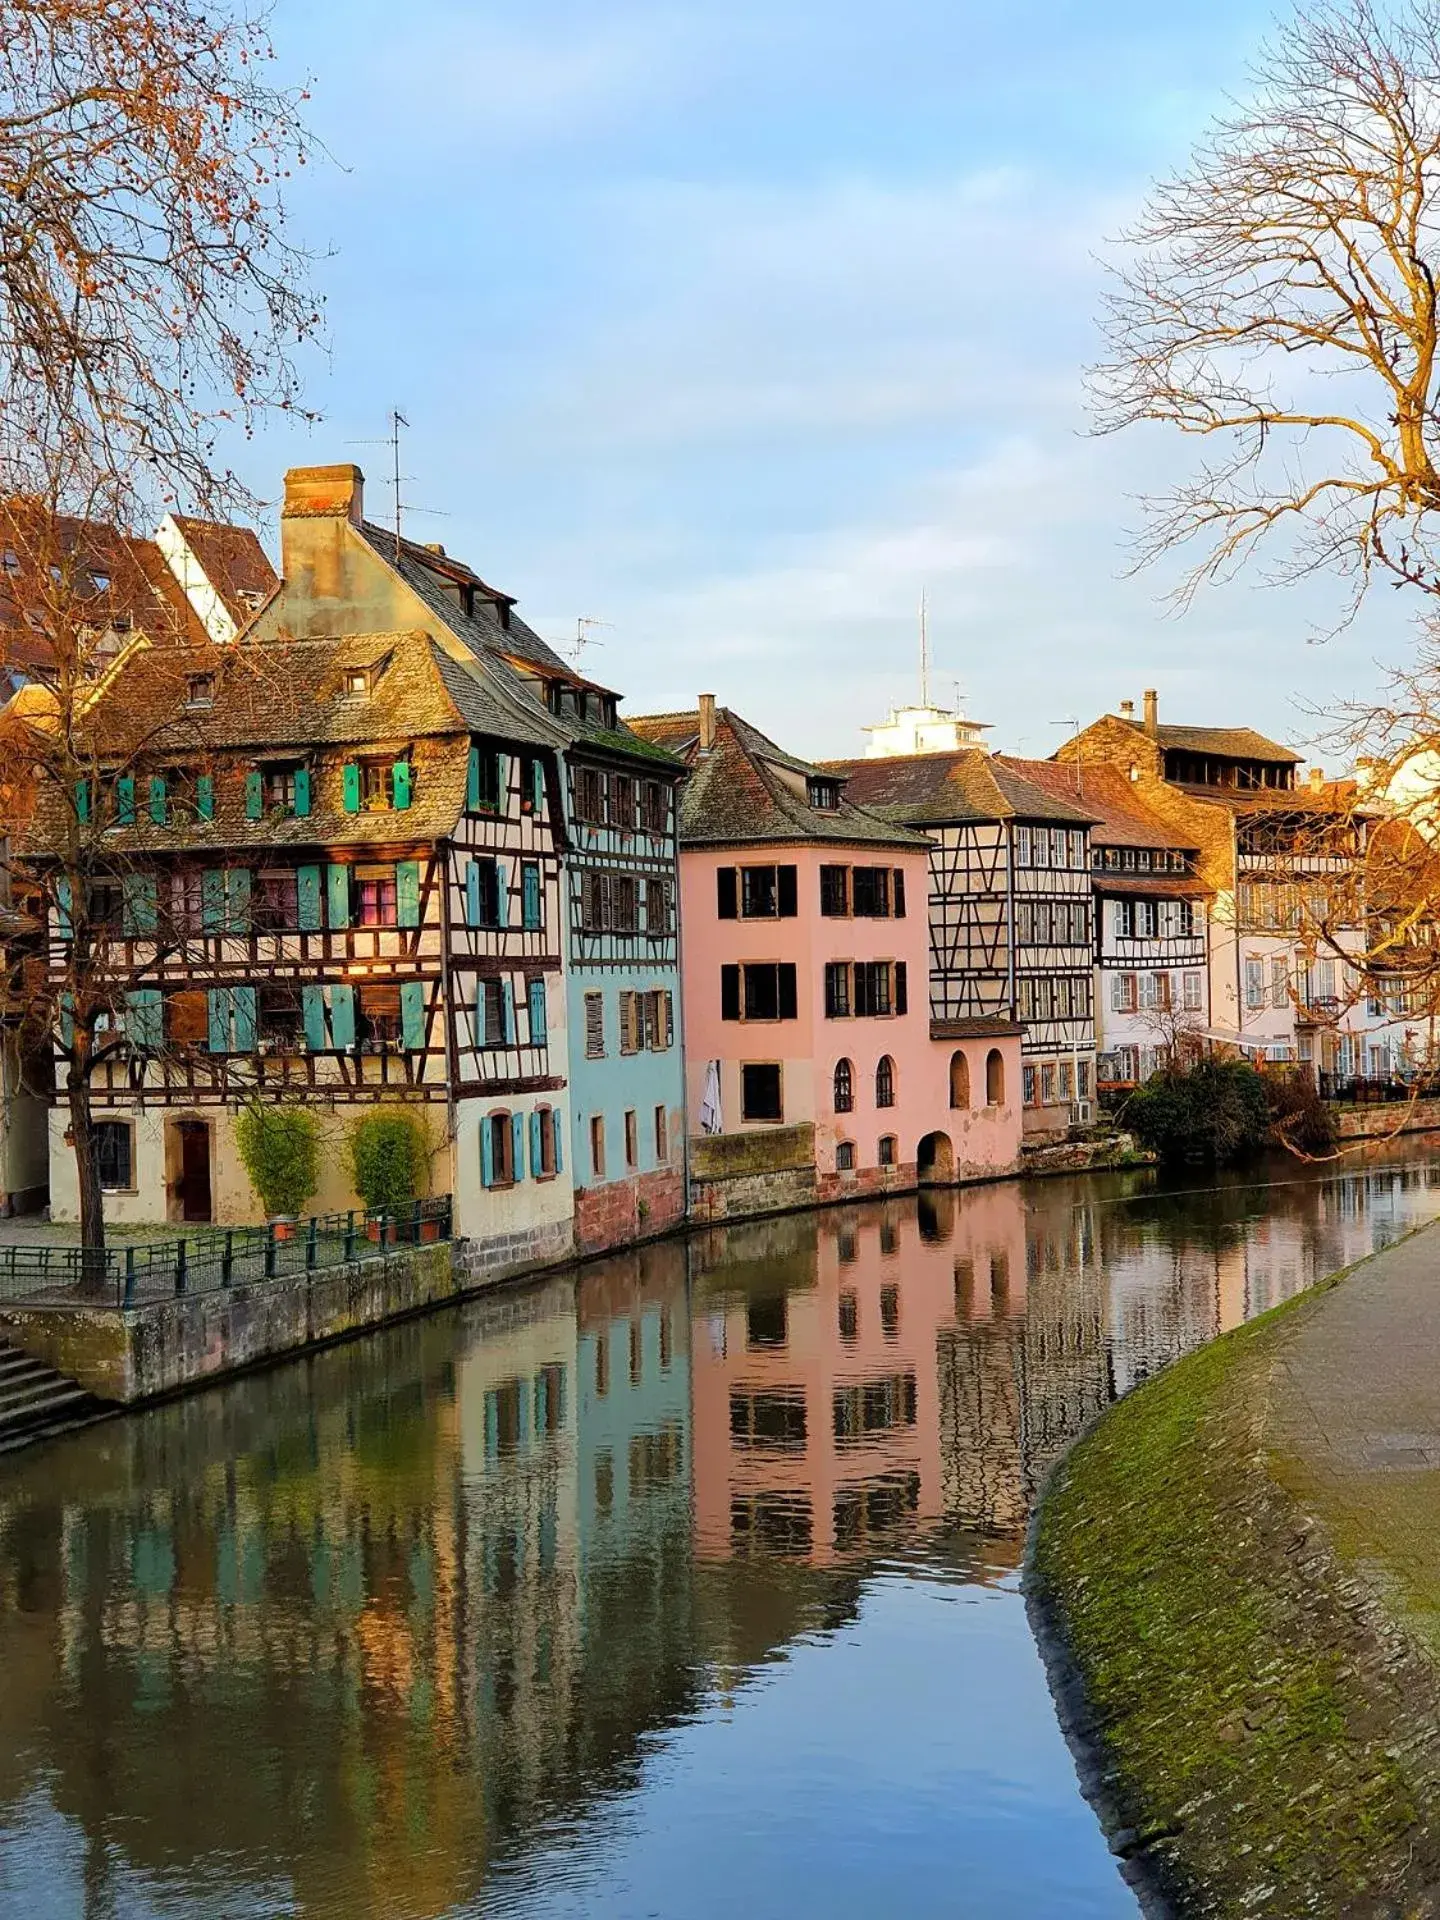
(1355, 1423)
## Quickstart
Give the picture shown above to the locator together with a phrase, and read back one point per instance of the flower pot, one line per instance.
(372, 1230)
(429, 1230)
(282, 1226)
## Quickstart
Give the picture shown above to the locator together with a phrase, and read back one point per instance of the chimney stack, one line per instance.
(1317, 778)
(324, 493)
(1152, 712)
(707, 722)
(1127, 709)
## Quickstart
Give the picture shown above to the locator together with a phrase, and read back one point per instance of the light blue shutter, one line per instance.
(205, 796)
(507, 1015)
(472, 894)
(159, 810)
(67, 1019)
(312, 999)
(144, 1017)
(412, 1014)
(517, 1144)
(352, 786)
(537, 775)
(141, 908)
(82, 800)
(502, 781)
(487, 1156)
(536, 1169)
(502, 896)
(254, 795)
(538, 1021)
(302, 792)
(242, 1002)
(472, 781)
(558, 1123)
(530, 894)
(212, 901)
(219, 1004)
(237, 899)
(342, 1016)
(400, 783)
(407, 893)
(337, 894)
(125, 800)
(307, 889)
(64, 917)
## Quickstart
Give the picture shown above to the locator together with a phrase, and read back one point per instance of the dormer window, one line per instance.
(200, 690)
(824, 795)
(359, 679)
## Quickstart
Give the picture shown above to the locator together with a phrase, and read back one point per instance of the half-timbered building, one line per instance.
(335, 871)
(1010, 911)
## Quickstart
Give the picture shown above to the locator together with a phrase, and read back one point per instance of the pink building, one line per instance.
(804, 974)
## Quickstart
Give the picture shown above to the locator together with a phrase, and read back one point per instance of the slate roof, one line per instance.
(951, 789)
(1120, 817)
(737, 794)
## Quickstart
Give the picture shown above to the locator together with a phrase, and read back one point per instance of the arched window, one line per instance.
(995, 1078)
(844, 1087)
(885, 1082)
(959, 1081)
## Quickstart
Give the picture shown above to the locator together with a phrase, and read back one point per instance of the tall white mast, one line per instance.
(924, 654)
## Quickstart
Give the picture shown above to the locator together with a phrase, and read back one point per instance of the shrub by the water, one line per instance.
(1215, 1111)
(1300, 1118)
(280, 1149)
(389, 1158)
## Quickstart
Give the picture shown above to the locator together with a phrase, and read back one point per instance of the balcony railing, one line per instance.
(142, 1273)
(1377, 1090)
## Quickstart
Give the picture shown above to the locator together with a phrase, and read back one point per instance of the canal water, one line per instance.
(688, 1587)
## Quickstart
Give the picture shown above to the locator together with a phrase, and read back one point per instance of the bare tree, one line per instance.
(1278, 299)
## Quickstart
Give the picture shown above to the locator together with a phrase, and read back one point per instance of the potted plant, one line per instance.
(280, 1149)
(389, 1158)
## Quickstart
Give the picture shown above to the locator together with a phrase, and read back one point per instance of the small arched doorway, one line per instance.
(935, 1161)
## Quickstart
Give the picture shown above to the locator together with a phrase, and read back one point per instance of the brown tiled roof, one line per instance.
(1120, 816)
(1170, 886)
(981, 1027)
(951, 788)
(1228, 743)
(737, 793)
(234, 562)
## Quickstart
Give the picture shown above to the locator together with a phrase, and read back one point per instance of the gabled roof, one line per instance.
(233, 561)
(1120, 817)
(1224, 743)
(937, 789)
(743, 792)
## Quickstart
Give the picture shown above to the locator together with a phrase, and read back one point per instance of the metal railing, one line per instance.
(1370, 1089)
(143, 1272)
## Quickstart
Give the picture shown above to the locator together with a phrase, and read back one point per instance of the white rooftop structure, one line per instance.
(923, 730)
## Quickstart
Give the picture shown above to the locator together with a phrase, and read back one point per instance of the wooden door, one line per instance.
(194, 1189)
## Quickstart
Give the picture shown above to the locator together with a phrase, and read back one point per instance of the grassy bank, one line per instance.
(1258, 1740)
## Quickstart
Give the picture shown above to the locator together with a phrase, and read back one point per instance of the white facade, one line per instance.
(923, 729)
(1152, 981)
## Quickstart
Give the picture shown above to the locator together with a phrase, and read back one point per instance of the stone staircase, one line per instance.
(36, 1401)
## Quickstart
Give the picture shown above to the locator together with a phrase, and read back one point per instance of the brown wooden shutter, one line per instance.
(727, 903)
(787, 991)
(900, 985)
(788, 891)
(730, 990)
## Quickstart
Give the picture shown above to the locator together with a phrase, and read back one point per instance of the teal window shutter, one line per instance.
(412, 1014)
(517, 1144)
(507, 1015)
(530, 894)
(205, 796)
(307, 892)
(67, 1019)
(82, 800)
(337, 895)
(302, 792)
(159, 810)
(144, 1017)
(472, 894)
(502, 895)
(237, 899)
(502, 782)
(536, 1169)
(557, 1122)
(64, 915)
(487, 1154)
(312, 1000)
(125, 800)
(472, 782)
(352, 786)
(242, 1002)
(342, 1016)
(212, 901)
(141, 909)
(537, 776)
(407, 893)
(537, 1013)
(400, 783)
(254, 794)
(219, 999)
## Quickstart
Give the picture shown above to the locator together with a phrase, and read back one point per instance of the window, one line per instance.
(655, 808)
(845, 1163)
(597, 1145)
(187, 900)
(823, 794)
(622, 802)
(1047, 1085)
(632, 1022)
(659, 911)
(594, 1026)
(1027, 1076)
(482, 894)
(545, 1134)
(885, 1083)
(886, 1156)
(758, 991)
(658, 1009)
(275, 904)
(844, 1087)
(959, 1082)
(662, 1137)
(113, 1141)
(1123, 992)
(375, 903)
(871, 893)
(1183, 917)
(590, 796)
(834, 892)
(200, 690)
(837, 990)
(1077, 847)
(1154, 991)
(483, 782)
(377, 1015)
(1147, 918)
(499, 1138)
(758, 897)
(632, 1140)
(278, 788)
(995, 1078)
(625, 903)
(357, 680)
(1022, 846)
(872, 988)
(1066, 1080)
(760, 1093)
(1254, 984)
(1082, 1080)
(187, 1017)
(1192, 988)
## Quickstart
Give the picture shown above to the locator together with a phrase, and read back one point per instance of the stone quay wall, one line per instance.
(1381, 1122)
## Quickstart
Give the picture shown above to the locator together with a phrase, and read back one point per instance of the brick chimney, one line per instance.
(1127, 709)
(1317, 778)
(1152, 712)
(707, 722)
(324, 493)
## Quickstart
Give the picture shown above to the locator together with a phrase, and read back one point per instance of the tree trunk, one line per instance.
(92, 1204)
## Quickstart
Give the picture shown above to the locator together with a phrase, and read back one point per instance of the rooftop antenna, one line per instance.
(924, 653)
(582, 635)
(1073, 722)
(392, 440)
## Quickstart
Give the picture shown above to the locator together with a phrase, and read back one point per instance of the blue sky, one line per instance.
(737, 325)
